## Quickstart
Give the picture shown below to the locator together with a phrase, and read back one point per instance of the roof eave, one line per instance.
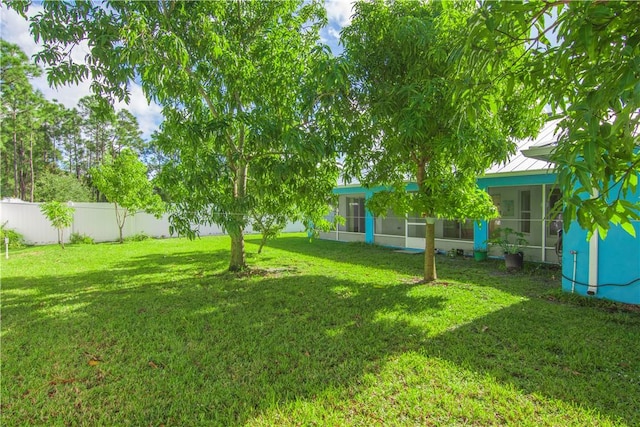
(539, 153)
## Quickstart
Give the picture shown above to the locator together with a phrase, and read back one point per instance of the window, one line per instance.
(416, 225)
(391, 224)
(355, 214)
(416, 218)
(457, 229)
(466, 230)
(495, 223)
(525, 211)
(331, 216)
(417, 230)
(554, 212)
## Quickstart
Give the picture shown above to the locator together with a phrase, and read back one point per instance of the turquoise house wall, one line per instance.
(480, 234)
(575, 247)
(369, 220)
(618, 262)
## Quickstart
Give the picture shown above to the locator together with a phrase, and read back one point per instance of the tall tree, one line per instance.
(52, 119)
(405, 125)
(17, 99)
(584, 59)
(127, 134)
(98, 130)
(38, 143)
(123, 181)
(28, 133)
(74, 148)
(241, 84)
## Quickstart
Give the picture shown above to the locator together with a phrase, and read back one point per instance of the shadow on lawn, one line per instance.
(63, 294)
(582, 356)
(151, 264)
(178, 348)
(533, 280)
(341, 252)
(223, 351)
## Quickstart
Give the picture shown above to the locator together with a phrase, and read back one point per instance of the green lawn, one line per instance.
(322, 333)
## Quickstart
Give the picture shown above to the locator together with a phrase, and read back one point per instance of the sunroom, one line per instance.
(523, 190)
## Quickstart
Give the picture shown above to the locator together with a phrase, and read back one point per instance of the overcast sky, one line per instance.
(15, 29)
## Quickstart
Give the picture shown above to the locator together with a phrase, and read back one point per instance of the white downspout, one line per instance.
(593, 259)
(575, 265)
(337, 225)
(593, 264)
(406, 231)
(544, 222)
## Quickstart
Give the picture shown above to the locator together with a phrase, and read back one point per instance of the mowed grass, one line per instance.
(317, 333)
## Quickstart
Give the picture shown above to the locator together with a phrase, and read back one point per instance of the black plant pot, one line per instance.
(514, 261)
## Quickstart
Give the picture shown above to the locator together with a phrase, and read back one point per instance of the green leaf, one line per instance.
(632, 181)
(629, 228)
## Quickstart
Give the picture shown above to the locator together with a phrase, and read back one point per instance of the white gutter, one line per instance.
(546, 171)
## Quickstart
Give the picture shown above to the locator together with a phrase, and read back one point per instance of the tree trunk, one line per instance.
(236, 231)
(75, 158)
(236, 228)
(238, 259)
(15, 155)
(120, 219)
(429, 251)
(31, 166)
(241, 171)
(61, 237)
(22, 174)
(262, 242)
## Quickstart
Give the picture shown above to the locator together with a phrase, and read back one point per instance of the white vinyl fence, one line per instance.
(96, 220)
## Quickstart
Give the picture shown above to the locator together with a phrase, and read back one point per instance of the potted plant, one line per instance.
(511, 242)
(480, 253)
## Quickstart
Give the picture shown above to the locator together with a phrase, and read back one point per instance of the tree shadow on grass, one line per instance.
(586, 357)
(532, 281)
(222, 350)
(151, 264)
(343, 252)
(60, 294)
(175, 348)
(202, 261)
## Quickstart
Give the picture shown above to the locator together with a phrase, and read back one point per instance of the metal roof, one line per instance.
(519, 162)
